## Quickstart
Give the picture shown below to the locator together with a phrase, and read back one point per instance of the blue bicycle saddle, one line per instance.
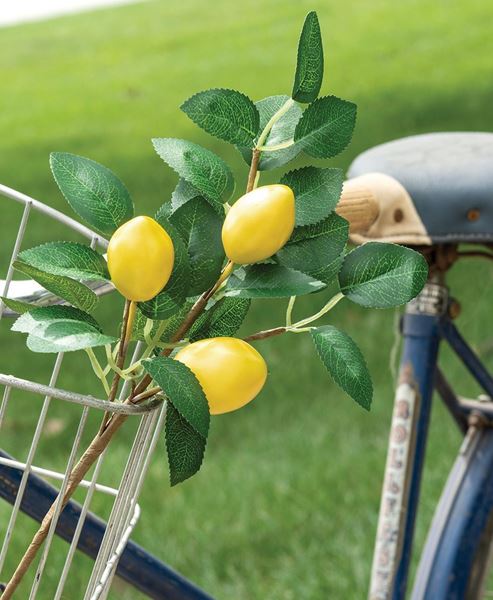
(445, 193)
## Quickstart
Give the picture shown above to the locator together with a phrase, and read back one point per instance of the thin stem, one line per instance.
(132, 309)
(125, 335)
(261, 335)
(148, 330)
(289, 311)
(110, 356)
(298, 327)
(257, 179)
(325, 309)
(274, 147)
(146, 394)
(152, 342)
(272, 121)
(226, 272)
(98, 369)
(252, 173)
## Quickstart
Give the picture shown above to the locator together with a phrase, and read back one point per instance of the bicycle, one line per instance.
(433, 193)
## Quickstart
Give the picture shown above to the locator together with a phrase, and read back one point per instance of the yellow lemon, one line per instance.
(140, 258)
(259, 224)
(230, 371)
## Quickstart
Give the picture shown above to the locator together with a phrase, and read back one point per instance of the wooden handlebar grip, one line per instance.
(358, 205)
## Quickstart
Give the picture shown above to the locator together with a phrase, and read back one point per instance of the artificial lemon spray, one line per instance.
(189, 274)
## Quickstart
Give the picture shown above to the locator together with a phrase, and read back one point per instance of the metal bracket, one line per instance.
(432, 301)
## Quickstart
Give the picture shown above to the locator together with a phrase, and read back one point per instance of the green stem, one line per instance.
(152, 341)
(298, 327)
(272, 121)
(98, 369)
(274, 147)
(148, 330)
(254, 174)
(256, 180)
(325, 309)
(289, 311)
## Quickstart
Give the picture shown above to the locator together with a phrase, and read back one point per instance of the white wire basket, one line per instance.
(33, 402)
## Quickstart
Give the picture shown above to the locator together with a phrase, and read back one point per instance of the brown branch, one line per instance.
(127, 324)
(122, 350)
(252, 174)
(267, 333)
(86, 461)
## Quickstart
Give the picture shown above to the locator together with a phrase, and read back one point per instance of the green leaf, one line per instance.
(174, 294)
(382, 275)
(185, 447)
(40, 316)
(200, 167)
(317, 250)
(310, 63)
(316, 192)
(17, 306)
(221, 320)
(60, 329)
(326, 127)
(200, 228)
(67, 258)
(226, 114)
(282, 130)
(183, 193)
(271, 281)
(93, 191)
(67, 337)
(343, 360)
(183, 390)
(68, 289)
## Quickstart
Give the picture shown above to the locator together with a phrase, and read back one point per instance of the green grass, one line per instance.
(286, 504)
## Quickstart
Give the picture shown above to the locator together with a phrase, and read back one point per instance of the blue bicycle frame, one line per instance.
(465, 509)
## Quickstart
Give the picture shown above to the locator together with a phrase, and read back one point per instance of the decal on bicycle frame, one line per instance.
(394, 498)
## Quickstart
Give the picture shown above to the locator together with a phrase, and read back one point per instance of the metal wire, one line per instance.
(125, 510)
(118, 519)
(28, 462)
(143, 472)
(59, 503)
(74, 398)
(15, 252)
(80, 523)
(15, 464)
(52, 213)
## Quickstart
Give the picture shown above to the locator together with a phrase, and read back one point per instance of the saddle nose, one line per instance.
(445, 193)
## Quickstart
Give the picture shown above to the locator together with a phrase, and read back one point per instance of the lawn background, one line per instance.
(286, 504)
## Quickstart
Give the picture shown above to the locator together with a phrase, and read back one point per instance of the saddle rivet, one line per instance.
(473, 214)
(398, 215)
